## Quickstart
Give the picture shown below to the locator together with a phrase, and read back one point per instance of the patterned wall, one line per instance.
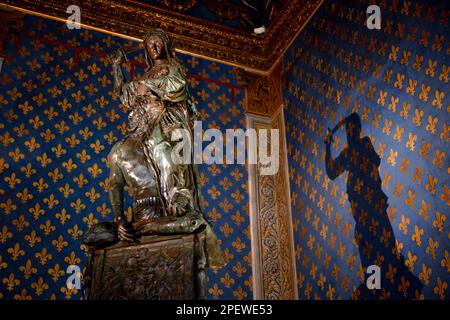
(59, 119)
(397, 80)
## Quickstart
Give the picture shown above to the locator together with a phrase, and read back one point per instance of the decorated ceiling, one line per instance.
(241, 14)
(221, 30)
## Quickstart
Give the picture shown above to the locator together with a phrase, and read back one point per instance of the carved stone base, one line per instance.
(158, 267)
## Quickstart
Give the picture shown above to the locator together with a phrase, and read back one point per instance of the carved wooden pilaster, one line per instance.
(263, 92)
(273, 256)
(283, 202)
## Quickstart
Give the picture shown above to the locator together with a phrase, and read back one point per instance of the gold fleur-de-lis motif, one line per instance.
(410, 198)
(430, 70)
(28, 170)
(430, 186)
(15, 252)
(12, 180)
(392, 156)
(51, 201)
(423, 95)
(431, 126)
(3, 165)
(63, 216)
(93, 195)
(24, 195)
(90, 220)
(97, 146)
(110, 138)
(60, 243)
(72, 259)
(32, 238)
(411, 141)
(43, 256)
(417, 235)
(405, 110)
(47, 227)
(438, 98)
(68, 292)
(439, 221)
(6, 139)
(445, 262)
(72, 141)
(86, 133)
(62, 127)
(444, 76)
(215, 291)
(417, 119)
(44, 160)
(69, 165)
(432, 246)
(3, 264)
(437, 160)
(445, 196)
(56, 272)
(28, 269)
(404, 166)
(78, 205)
(36, 211)
(83, 156)
(5, 234)
(403, 226)
(445, 135)
(440, 288)
(16, 155)
(11, 281)
(55, 175)
(20, 223)
(403, 286)
(66, 190)
(39, 286)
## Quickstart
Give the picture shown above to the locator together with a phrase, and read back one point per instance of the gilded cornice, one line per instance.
(131, 19)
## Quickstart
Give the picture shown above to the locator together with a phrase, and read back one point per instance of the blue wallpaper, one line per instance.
(396, 80)
(58, 120)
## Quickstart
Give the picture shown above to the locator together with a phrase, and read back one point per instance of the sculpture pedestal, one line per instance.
(158, 267)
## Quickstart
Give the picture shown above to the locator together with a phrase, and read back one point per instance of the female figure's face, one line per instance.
(155, 48)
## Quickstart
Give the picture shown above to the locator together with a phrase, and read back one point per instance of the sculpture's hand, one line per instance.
(180, 203)
(125, 232)
(118, 57)
(176, 210)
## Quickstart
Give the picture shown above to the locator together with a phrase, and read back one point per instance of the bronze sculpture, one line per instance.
(166, 194)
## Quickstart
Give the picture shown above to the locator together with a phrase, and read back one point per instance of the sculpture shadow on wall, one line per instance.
(373, 233)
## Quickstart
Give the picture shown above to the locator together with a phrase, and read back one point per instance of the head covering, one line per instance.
(168, 45)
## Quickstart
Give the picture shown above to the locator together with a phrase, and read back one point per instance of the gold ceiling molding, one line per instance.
(131, 19)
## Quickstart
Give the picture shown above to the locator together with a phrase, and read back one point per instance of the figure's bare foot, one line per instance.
(169, 225)
(125, 232)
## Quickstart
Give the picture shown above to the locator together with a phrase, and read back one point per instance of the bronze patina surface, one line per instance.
(166, 194)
